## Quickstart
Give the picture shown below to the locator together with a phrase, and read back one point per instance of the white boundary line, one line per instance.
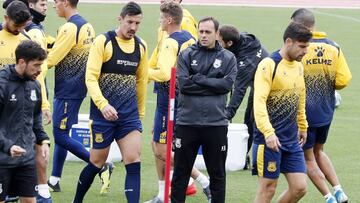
(337, 16)
(273, 5)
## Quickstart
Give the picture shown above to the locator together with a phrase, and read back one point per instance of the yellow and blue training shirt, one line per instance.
(279, 100)
(37, 34)
(325, 69)
(69, 56)
(8, 44)
(116, 74)
(188, 23)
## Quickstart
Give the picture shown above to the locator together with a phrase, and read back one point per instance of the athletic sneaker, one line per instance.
(156, 199)
(40, 199)
(54, 188)
(341, 196)
(207, 193)
(11, 199)
(191, 189)
(105, 175)
(331, 200)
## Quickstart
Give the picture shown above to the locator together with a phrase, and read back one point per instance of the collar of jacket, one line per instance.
(37, 17)
(216, 48)
(15, 76)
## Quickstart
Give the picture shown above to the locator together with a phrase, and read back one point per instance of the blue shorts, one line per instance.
(103, 134)
(269, 164)
(160, 126)
(65, 113)
(316, 135)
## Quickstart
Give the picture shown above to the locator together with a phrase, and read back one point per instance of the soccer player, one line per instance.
(248, 52)
(41, 163)
(279, 109)
(205, 74)
(189, 24)
(16, 17)
(20, 100)
(171, 15)
(35, 30)
(116, 77)
(69, 55)
(325, 70)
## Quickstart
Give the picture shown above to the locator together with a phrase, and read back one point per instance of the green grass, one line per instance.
(268, 25)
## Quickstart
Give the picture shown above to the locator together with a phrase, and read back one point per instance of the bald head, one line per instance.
(304, 16)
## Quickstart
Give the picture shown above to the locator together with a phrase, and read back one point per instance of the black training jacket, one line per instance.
(248, 52)
(205, 77)
(20, 117)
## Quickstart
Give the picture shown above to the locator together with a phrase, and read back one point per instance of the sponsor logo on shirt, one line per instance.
(319, 60)
(127, 63)
(241, 64)
(193, 63)
(13, 98)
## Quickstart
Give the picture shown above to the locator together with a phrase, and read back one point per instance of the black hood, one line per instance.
(37, 17)
(247, 45)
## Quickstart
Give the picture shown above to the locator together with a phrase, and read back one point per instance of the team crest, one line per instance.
(99, 138)
(217, 63)
(178, 143)
(33, 95)
(162, 139)
(271, 166)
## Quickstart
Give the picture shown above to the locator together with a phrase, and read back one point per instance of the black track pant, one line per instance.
(214, 147)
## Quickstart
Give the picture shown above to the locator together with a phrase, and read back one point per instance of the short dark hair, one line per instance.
(298, 32)
(29, 51)
(7, 2)
(18, 12)
(131, 9)
(73, 3)
(216, 23)
(174, 10)
(303, 16)
(34, 1)
(229, 33)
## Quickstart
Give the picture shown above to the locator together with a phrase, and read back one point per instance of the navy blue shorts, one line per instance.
(269, 164)
(160, 126)
(18, 181)
(104, 133)
(316, 135)
(65, 113)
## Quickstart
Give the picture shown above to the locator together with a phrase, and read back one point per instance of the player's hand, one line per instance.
(46, 113)
(273, 142)
(302, 138)
(109, 113)
(45, 152)
(17, 151)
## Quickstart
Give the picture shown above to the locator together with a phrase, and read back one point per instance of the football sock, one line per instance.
(203, 180)
(85, 180)
(132, 182)
(161, 190)
(43, 190)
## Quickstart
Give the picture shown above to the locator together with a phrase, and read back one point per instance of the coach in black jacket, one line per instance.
(248, 52)
(206, 73)
(21, 122)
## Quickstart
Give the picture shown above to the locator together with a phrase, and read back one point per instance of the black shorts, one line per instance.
(19, 181)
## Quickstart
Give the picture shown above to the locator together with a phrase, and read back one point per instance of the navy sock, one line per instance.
(132, 182)
(85, 180)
